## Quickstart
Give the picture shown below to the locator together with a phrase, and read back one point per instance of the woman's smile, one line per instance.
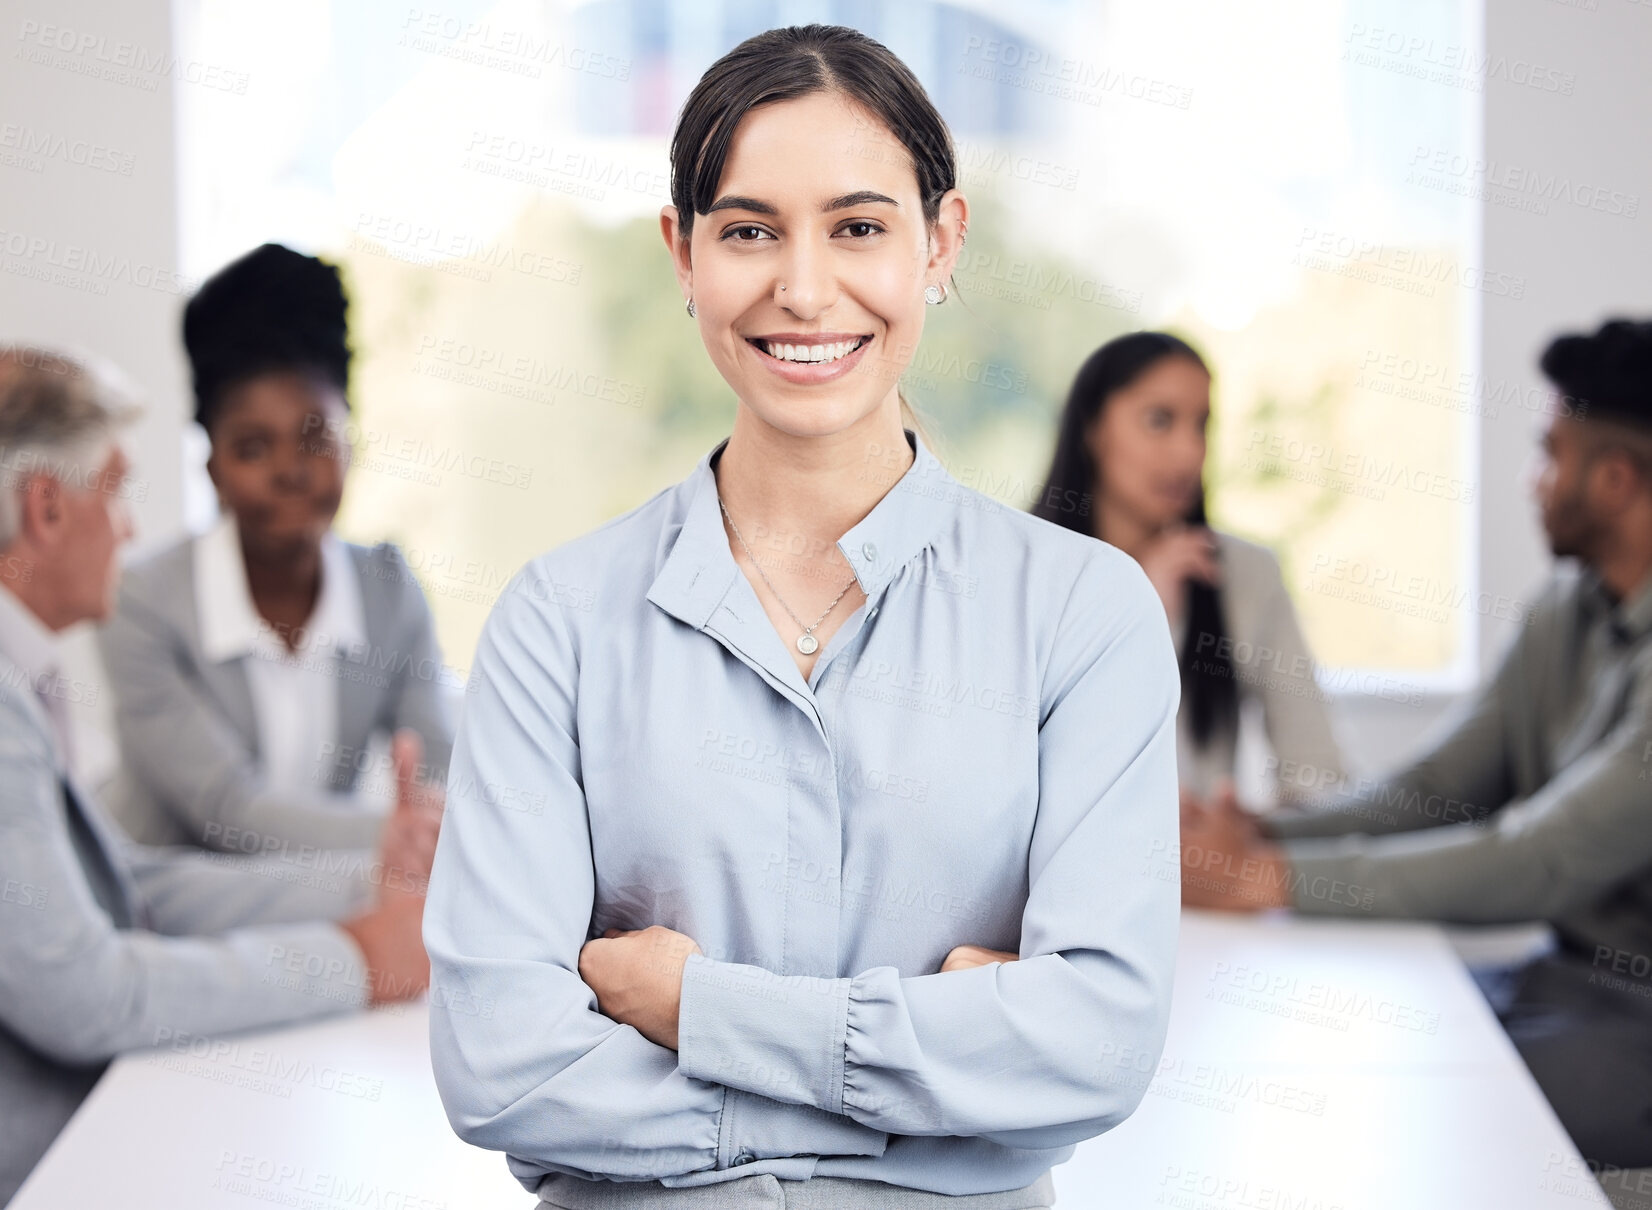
(809, 358)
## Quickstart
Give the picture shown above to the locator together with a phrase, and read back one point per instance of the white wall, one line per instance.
(58, 218)
(87, 199)
(1580, 265)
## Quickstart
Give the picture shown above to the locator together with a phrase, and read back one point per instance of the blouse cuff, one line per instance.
(781, 1036)
(757, 1128)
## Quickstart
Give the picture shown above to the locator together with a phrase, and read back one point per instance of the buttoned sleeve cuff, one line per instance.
(781, 1036)
(755, 1127)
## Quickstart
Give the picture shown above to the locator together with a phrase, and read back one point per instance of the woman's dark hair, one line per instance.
(1074, 485)
(1605, 375)
(272, 311)
(794, 61)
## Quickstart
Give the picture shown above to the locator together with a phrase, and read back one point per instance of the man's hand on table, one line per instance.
(1226, 864)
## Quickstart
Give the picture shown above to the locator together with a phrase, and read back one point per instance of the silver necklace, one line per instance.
(806, 642)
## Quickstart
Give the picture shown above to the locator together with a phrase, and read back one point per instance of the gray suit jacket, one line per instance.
(1535, 803)
(107, 946)
(1275, 673)
(189, 735)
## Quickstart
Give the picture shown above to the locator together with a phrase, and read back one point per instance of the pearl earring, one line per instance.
(934, 295)
(690, 308)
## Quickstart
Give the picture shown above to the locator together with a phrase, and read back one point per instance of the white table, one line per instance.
(1310, 1065)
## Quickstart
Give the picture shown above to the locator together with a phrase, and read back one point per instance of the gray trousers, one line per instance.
(771, 1193)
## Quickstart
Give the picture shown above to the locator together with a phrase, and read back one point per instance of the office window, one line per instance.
(1291, 188)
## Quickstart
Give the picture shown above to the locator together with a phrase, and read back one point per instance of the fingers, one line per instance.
(1193, 553)
(406, 755)
(965, 957)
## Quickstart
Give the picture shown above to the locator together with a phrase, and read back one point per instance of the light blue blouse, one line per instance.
(983, 754)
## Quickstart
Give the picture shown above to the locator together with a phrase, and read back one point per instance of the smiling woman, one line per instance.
(253, 663)
(841, 877)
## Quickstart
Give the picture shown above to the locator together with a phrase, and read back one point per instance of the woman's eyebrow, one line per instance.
(734, 201)
(861, 197)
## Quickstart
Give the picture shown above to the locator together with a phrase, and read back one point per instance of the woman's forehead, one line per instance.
(810, 149)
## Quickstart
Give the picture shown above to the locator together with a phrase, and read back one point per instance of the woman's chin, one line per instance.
(284, 541)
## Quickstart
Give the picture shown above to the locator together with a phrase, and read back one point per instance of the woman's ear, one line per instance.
(676, 243)
(947, 236)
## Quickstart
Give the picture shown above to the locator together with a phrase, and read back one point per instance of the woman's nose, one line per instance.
(806, 284)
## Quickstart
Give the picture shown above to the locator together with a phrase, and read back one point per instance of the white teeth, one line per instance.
(810, 353)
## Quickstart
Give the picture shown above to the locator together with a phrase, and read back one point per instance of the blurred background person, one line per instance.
(1534, 803)
(1129, 468)
(106, 945)
(254, 664)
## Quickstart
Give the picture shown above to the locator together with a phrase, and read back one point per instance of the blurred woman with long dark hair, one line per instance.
(1129, 469)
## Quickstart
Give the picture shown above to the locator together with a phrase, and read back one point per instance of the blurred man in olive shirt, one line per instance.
(1536, 802)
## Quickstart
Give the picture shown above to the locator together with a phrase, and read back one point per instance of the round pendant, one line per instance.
(806, 643)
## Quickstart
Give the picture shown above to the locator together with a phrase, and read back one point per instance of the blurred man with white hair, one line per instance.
(105, 945)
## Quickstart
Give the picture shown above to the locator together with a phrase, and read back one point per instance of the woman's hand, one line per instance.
(637, 975)
(1176, 556)
(963, 957)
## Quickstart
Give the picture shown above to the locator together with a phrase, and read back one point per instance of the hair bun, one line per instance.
(272, 310)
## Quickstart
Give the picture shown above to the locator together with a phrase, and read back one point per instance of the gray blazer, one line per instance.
(189, 734)
(107, 946)
(1275, 673)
